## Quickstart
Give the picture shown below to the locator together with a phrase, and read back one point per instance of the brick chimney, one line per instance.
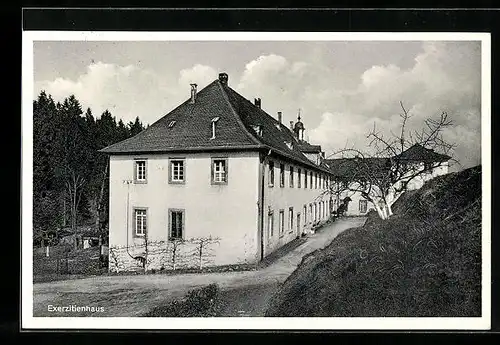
(193, 93)
(257, 102)
(279, 116)
(223, 77)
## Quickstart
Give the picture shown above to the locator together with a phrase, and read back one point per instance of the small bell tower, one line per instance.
(299, 128)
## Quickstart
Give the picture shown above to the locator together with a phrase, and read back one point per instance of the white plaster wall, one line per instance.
(438, 170)
(277, 198)
(353, 208)
(415, 183)
(228, 212)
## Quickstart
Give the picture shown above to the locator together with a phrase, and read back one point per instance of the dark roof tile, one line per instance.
(236, 128)
(421, 154)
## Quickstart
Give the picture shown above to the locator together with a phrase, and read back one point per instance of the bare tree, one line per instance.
(384, 172)
(100, 197)
(175, 244)
(74, 187)
(203, 248)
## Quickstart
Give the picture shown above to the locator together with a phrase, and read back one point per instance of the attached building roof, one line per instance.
(342, 167)
(349, 166)
(419, 153)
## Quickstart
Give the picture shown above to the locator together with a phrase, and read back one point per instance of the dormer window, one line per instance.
(257, 129)
(171, 124)
(428, 166)
(289, 145)
(278, 126)
(214, 124)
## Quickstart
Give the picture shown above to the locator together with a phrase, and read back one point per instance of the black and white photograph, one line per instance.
(256, 180)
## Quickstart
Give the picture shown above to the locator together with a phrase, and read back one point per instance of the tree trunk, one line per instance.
(64, 211)
(101, 194)
(97, 219)
(389, 210)
(382, 212)
(201, 255)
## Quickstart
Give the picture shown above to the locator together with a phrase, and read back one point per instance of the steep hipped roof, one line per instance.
(342, 167)
(419, 153)
(416, 153)
(240, 125)
(192, 127)
(305, 147)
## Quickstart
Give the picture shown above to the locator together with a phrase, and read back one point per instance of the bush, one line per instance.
(423, 261)
(201, 302)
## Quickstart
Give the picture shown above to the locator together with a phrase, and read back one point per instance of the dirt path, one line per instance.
(134, 295)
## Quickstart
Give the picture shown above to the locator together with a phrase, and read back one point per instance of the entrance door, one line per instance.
(298, 225)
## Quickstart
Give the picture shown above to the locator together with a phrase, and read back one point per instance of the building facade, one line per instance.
(422, 165)
(217, 181)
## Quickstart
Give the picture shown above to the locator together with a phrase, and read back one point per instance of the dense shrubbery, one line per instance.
(201, 302)
(424, 261)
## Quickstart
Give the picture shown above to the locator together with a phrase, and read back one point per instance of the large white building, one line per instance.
(217, 181)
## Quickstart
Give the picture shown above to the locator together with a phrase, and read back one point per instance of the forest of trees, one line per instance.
(70, 176)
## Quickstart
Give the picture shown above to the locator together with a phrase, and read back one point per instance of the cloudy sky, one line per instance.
(342, 88)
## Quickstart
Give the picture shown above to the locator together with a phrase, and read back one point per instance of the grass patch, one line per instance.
(424, 261)
(201, 302)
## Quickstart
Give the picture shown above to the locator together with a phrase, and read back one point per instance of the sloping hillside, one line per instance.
(424, 261)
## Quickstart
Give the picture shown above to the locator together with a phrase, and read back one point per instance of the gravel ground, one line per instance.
(246, 292)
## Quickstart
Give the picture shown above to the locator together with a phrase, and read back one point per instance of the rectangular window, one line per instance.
(282, 222)
(291, 177)
(270, 224)
(299, 178)
(176, 224)
(271, 174)
(282, 175)
(311, 179)
(140, 221)
(305, 178)
(428, 166)
(176, 171)
(219, 170)
(305, 214)
(140, 171)
(363, 206)
(315, 180)
(290, 219)
(311, 213)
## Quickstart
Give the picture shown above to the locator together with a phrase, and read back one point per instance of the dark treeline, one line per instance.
(70, 176)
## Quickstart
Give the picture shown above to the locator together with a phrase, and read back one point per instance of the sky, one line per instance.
(342, 88)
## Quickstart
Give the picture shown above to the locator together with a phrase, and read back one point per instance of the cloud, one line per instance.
(127, 91)
(445, 76)
(198, 74)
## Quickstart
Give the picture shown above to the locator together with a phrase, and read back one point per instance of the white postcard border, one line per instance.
(28, 321)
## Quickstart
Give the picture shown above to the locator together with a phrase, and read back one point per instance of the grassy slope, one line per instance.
(424, 261)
